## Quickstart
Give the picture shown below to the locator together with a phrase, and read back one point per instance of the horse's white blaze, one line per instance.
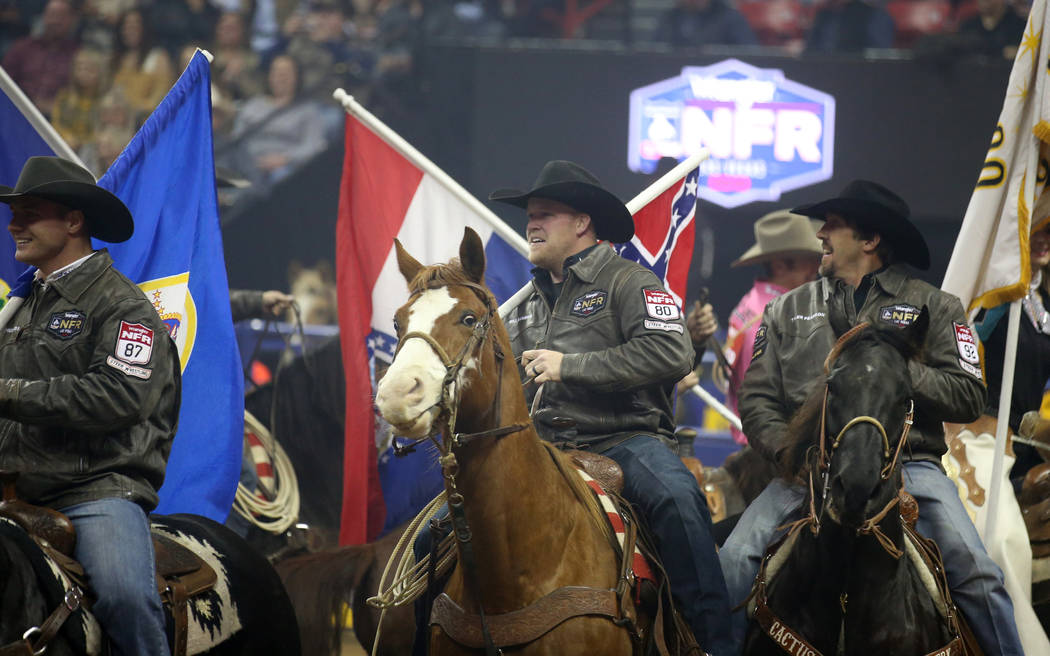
(412, 384)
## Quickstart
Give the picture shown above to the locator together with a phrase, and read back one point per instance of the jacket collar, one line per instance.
(590, 261)
(890, 280)
(71, 287)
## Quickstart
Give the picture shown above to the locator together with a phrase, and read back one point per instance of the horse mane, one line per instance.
(444, 275)
(803, 431)
(580, 489)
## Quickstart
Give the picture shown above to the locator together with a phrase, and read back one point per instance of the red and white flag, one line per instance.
(383, 195)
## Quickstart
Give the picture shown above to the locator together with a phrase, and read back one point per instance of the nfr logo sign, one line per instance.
(765, 134)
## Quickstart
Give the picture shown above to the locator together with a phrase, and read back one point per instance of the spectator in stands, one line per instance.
(279, 131)
(996, 29)
(16, 17)
(850, 26)
(319, 41)
(692, 23)
(76, 109)
(236, 69)
(40, 65)
(143, 71)
(98, 22)
(175, 23)
(117, 123)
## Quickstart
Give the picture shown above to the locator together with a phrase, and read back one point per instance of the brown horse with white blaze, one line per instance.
(535, 535)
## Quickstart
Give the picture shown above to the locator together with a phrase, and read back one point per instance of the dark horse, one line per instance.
(245, 612)
(847, 579)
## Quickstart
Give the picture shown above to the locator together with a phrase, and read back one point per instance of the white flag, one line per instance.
(989, 265)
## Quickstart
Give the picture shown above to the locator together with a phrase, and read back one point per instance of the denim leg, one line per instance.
(667, 496)
(976, 581)
(116, 550)
(741, 555)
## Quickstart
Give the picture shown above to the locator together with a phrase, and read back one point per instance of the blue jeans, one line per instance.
(665, 493)
(116, 550)
(976, 582)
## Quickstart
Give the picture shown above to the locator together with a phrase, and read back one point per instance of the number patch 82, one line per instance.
(134, 343)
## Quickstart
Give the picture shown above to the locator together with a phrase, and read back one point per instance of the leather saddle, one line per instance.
(181, 574)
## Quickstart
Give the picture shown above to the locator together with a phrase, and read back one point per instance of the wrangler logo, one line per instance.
(899, 315)
(66, 325)
(589, 303)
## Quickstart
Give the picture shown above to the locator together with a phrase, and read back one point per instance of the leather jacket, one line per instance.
(90, 385)
(796, 337)
(625, 347)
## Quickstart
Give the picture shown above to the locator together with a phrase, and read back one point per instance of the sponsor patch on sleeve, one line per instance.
(129, 369)
(899, 315)
(590, 303)
(67, 324)
(966, 343)
(660, 305)
(134, 343)
(760, 343)
(653, 324)
(970, 369)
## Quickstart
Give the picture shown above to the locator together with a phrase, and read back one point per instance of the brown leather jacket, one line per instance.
(90, 386)
(625, 347)
(795, 338)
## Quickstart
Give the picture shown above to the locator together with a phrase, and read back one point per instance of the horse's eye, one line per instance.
(469, 320)
(397, 326)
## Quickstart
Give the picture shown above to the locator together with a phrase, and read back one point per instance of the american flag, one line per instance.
(664, 235)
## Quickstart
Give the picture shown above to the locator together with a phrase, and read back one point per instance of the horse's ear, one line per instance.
(407, 264)
(324, 268)
(916, 332)
(472, 255)
(295, 269)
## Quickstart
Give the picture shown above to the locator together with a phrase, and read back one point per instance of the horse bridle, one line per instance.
(870, 525)
(448, 404)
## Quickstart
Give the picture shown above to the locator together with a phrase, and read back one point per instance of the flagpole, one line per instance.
(46, 131)
(665, 181)
(383, 131)
(717, 406)
(1002, 423)
(638, 202)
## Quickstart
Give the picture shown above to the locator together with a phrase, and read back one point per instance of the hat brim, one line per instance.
(107, 216)
(612, 221)
(908, 243)
(754, 255)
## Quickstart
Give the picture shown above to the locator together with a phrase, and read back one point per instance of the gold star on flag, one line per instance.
(1031, 39)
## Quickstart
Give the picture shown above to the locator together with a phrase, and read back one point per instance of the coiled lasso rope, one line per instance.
(279, 515)
(409, 576)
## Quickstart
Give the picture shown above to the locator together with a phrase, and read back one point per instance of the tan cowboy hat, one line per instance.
(781, 234)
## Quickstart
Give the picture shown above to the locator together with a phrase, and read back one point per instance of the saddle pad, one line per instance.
(81, 627)
(639, 564)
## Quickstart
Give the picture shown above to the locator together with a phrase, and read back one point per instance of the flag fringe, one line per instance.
(1042, 130)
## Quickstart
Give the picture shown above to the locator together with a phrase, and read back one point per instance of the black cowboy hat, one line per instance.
(570, 183)
(873, 207)
(70, 184)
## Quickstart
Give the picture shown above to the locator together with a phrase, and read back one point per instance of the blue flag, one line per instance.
(166, 177)
(18, 142)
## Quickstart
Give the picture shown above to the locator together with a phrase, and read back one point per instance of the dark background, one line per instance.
(491, 117)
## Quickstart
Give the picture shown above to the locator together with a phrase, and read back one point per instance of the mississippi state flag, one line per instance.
(383, 195)
(664, 234)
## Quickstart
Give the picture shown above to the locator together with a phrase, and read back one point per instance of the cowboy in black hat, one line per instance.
(607, 343)
(89, 397)
(867, 239)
